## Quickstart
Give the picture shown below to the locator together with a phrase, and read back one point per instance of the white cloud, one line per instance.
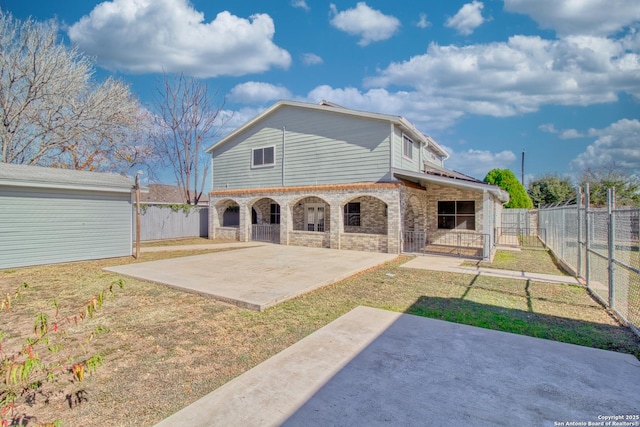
(311, 59)
(592, 17)
(426, 113)
(369, 24)
(478, 162)
(548, 128)
(571, 134)
(142, 36)
(517, 77)
(616, 144)
(423, 22)
(301, 4)
(258, 93)
(468, 18)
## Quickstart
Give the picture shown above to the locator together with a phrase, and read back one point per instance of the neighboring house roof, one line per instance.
(161, 193)
(453, 179)
(42, 177)
(326, 106)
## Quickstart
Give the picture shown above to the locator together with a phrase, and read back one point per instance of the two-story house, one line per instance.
(327, 176)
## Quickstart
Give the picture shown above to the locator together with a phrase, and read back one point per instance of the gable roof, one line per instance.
(41, 177)
(327, 106)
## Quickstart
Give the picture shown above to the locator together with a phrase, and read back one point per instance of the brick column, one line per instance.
(394, 217)
(286, 222)
(337, 225)
(244, 231)
(214, 219)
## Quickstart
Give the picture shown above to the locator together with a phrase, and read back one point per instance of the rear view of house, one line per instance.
(54, 215)
(327, 176)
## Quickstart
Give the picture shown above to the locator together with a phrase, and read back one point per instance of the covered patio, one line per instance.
(419, 213)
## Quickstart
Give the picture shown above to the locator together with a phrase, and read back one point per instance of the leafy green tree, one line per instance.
(600, 180)
(505, 179)
(551, 188)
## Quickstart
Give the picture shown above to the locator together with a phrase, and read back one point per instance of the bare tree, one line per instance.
(186, 120)
(51, 112)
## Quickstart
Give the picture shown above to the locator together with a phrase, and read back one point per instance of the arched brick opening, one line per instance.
(365, 214)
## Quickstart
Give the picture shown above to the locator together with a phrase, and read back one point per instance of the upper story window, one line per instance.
(457, 215)
(407, 147)
(265, 156)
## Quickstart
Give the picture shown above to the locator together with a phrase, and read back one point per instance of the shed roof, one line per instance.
(327, 106)
(42, 177)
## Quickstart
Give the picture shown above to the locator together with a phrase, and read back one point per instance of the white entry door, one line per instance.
(315, 217)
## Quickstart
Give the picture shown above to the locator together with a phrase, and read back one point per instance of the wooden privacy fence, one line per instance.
(164, 221)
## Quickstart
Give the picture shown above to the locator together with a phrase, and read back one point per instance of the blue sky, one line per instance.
(486, 79)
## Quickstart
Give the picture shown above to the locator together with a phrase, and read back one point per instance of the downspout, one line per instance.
(391, 149)
(283, 147)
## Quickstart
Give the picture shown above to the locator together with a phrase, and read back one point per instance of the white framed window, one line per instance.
(263, 157)
(407, 147)
(314, 217)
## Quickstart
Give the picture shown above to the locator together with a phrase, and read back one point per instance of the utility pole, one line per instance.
(522, 168)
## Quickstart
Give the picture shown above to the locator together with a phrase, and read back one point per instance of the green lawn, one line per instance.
(530, 260)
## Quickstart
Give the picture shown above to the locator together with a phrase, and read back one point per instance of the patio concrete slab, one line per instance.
(372, 367)
(454, 265)
(255, 277)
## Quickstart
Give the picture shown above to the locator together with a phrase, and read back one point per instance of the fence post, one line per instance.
(587, 265)
(611, 201)
(578, 207)
(562, 237)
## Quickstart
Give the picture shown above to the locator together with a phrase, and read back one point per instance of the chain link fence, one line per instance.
(601, 246)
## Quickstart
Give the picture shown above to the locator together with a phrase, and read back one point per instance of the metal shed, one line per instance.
(52, 215)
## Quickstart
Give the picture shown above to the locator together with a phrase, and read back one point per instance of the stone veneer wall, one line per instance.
(373, 216)
(436, 193)
(292, 200)
(299, 213)
(310, 239)
(364, 242)
(227, 233)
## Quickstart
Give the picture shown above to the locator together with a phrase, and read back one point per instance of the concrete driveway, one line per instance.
(256, 277)
(373, 367)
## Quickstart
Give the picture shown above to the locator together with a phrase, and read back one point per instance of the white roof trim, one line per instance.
(37, 184)
(334, 108)
(12, 175)
(502, 195)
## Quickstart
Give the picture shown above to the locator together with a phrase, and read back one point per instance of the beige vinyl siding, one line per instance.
(320, 148)
(42, 226)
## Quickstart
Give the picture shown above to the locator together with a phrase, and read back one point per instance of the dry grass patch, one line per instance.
(165, 349)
